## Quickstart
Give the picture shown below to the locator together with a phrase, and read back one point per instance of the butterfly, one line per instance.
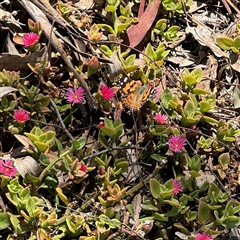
(134, 93)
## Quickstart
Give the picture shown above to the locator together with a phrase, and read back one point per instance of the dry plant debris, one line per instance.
(119, 119)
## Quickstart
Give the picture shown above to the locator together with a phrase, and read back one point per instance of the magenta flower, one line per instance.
(192, 134)
(7, 168)
(83, 167)
(107, 93)
(101, 125)
(177, 143)
(157, 91)
(75, 95)
(160, 118)
(30, 39)
(203, 236)
(101, 170)
(177, 186)
(21, 116)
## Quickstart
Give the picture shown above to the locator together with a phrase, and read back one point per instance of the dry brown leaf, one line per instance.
(10, 21)
(116, 67)
(27, 165)
(196, 5)
(25, 141)
(52, 155)
(18, 39)
(205, 176)
(6, 90)
(182, 61)
(13, 62)
(11, 49)
(210, 72)
(137, 208)
(204, 36)
(235, 61)
(181, 235)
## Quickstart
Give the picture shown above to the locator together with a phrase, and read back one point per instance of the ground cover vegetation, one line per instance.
(119, 119)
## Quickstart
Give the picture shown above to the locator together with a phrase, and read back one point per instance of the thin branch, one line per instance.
(60, 120)
(111, 149)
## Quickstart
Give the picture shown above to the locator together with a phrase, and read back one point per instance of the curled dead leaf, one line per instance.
(27, 165)
(6, 90)
(26, 142)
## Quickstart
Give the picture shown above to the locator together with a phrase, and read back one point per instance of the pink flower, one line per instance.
(21, 116)
(7, 168)
(101, 125)
(30, 39)
(83, 167)
(160, 118)
(177, 186)
(101, 170)
(157, 91)
(107, 93)
(75, 95)
(192, 134)
(203, 236)
(176, 143)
